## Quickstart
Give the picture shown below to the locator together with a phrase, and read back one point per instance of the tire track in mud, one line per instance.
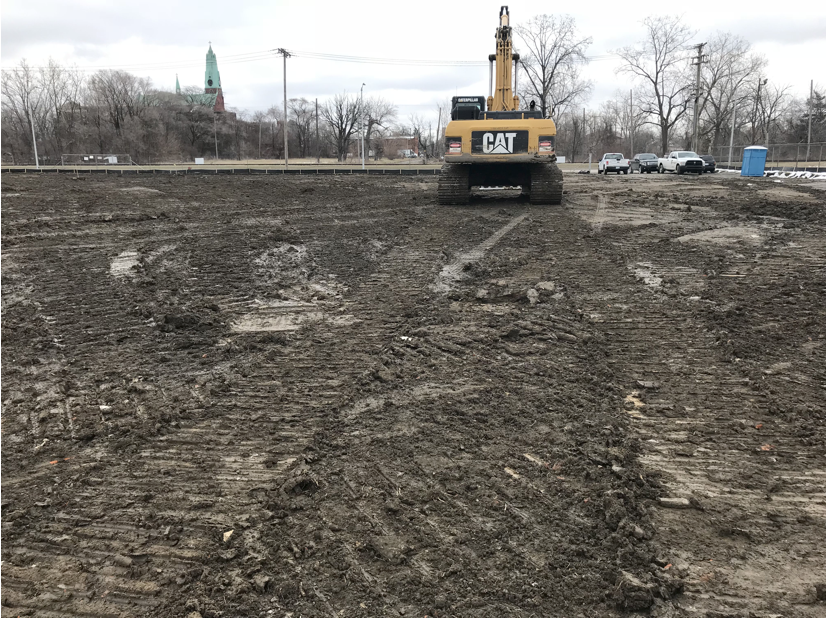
(207, 468)
(302, 471)
(456, 453)
(220, 451)
(713, 422)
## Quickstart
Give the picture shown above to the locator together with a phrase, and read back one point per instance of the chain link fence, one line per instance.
(788, 157)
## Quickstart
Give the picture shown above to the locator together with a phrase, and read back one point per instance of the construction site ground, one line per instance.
(276, 395)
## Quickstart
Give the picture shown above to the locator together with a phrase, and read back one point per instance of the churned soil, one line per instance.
(269, 395)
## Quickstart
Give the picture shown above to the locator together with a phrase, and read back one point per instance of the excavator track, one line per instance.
(546, 184)
(454, 184)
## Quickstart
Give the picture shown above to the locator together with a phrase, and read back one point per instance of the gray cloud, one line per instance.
(782, 29)
(102, 24)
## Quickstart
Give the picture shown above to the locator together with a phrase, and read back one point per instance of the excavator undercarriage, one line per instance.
(541, 182)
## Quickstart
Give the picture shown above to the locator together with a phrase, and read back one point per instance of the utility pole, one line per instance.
(317, 142)
(439, 133)
(34, 140)
(259, 138)
(699, 62)
(811, 110)
(361, 124)
(583, 141)
(632, 123)
(760, 84)
(286, 55)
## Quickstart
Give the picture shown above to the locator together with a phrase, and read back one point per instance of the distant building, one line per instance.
(401, 146)
(213, 95)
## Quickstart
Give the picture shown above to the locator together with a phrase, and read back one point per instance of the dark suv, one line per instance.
(644, 162)
(709, 165)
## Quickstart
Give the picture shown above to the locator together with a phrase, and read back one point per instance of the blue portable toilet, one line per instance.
(754, 161)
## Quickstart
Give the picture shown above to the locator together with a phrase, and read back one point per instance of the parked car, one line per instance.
(681, 161)
(612, 162)
(644, 162)
(709, 165)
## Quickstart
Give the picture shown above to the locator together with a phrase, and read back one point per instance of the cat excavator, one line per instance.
(493, 143)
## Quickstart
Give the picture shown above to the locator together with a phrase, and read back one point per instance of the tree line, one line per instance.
(115, 112)
(111, 111)
(656, 112)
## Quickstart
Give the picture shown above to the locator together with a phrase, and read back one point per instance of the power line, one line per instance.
(272, 53)
(412, 62)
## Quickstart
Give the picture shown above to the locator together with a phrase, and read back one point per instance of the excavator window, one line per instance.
(467, 108)
(465, 111)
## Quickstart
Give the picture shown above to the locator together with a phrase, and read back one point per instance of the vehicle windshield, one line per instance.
(646, 157)
(685, 154)
(613, 156)
(707, 158)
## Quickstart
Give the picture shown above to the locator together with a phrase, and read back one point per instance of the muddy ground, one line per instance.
(257, 396)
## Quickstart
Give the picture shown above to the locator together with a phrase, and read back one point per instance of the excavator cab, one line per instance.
(493, 142)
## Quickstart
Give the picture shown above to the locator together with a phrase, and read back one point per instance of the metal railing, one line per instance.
(789, 156)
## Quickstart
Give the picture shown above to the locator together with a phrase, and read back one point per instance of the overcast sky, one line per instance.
(159, 39)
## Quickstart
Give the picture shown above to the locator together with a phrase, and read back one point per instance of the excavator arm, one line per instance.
(503, 99)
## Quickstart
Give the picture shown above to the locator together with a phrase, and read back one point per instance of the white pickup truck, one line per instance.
(681, 161)
(613, 162)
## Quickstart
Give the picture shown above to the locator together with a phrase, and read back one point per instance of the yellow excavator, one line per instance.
(498, 144)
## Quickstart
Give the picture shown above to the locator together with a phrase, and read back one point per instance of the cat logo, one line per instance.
(492, 143)
(498, 143)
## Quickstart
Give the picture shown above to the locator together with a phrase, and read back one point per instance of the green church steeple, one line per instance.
(212, 78)
(177, 85)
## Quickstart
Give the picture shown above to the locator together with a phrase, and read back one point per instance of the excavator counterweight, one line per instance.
(492, 142)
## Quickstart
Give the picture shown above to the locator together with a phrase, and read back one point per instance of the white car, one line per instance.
(613, 162)
(681, 161)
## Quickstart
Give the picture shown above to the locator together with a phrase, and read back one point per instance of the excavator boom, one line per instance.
(504, 100)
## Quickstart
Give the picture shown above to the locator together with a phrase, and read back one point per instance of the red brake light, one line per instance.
(546, 144)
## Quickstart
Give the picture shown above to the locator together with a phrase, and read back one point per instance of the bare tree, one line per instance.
(553, 62)
(24, 102)
(379, 114)
(725, 77)
(302, 117)
(443, 111)
(275, 116)
(422, 130)
(121, 94)
(659, 62)
(60, 88)
(341, 115)
(774, 103)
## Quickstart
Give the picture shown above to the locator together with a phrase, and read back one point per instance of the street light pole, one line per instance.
(361, 123)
